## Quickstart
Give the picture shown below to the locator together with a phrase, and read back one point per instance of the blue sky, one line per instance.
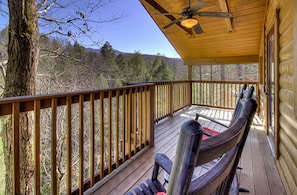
(135, 32)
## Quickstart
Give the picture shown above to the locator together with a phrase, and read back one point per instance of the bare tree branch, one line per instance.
(74, 19)
(63, 55)
(3, 8)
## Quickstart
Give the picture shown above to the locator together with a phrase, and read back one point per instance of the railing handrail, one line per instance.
(27, 100)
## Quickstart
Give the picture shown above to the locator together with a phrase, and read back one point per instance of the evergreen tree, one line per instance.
(109, 68)
(164, 72)
(137, 68)
(154, 68)
(160, 70)
(123, 67)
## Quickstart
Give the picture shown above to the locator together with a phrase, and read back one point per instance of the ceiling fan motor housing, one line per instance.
(186, 12)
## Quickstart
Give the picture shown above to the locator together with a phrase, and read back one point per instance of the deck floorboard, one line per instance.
(259, 174)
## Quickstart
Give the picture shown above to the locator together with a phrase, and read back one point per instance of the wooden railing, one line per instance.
(220, 94)
(171, 96)
(79, 138)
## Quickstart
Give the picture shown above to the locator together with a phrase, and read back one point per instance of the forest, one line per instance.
(66, 67)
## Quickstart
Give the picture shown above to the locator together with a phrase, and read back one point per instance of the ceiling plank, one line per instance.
(223, 60)
(224, 8)
(215, 45)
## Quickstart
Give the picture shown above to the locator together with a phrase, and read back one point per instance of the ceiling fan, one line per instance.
(189, 12)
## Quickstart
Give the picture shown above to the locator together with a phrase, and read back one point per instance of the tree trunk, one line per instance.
(23, 48)
(23, 52)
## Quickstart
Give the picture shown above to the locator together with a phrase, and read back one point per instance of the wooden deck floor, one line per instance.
(259, 174)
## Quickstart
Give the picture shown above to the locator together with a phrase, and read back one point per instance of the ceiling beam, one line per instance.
(224, 8)
(223, 60)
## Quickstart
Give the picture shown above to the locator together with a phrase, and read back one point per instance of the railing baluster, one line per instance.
(161, 100)
(92, 141)
(16, 147)
(37, 146)
(117, 135)
(164, 95)
(170, 99)
(81, 144)
(129, 118)
(145, 114)
(109, 132)
(101, 162)
(68, 146)
(124, 124)
(151, 114)
(160, 111)
(134, 119)
(139, 117)
(157, 103)
(54, 147)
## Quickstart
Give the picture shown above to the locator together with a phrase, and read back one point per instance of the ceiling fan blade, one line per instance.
(197, 5)
(216, 14)
(173, 22)
(197, 29)
(167, 14)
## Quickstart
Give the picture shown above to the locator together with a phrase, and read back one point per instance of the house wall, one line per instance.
(282, 15)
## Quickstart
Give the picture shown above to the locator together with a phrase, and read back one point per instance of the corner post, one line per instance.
(151, 109)
(190, 77)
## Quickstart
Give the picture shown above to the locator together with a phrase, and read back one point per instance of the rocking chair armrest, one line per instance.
(211, 119)
(161, 160)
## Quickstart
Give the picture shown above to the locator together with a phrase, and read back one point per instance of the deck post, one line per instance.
(190, 78)
(170, 99)
(152, 114)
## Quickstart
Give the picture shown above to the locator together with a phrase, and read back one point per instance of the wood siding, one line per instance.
(282, 14)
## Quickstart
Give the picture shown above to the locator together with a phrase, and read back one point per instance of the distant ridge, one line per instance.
(147, 57)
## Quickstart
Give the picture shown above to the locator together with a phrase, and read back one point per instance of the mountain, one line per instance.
(147, 57)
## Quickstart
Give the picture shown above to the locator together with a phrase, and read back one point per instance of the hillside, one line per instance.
(177, 61)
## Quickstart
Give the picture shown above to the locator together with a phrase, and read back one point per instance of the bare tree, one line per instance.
(78, 18)
(72, 18)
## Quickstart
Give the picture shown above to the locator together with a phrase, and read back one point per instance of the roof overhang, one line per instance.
(233, 40)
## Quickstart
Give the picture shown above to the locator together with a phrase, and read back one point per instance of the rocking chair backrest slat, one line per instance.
(243, 96)
(186, 156)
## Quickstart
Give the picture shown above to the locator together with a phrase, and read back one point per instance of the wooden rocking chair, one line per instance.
(218, 180)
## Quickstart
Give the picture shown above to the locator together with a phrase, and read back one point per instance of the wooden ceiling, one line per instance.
(224, 41)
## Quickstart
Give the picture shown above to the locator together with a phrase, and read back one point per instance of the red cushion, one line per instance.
(210, 131)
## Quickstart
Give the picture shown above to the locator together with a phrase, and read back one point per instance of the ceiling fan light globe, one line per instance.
(189, 22)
